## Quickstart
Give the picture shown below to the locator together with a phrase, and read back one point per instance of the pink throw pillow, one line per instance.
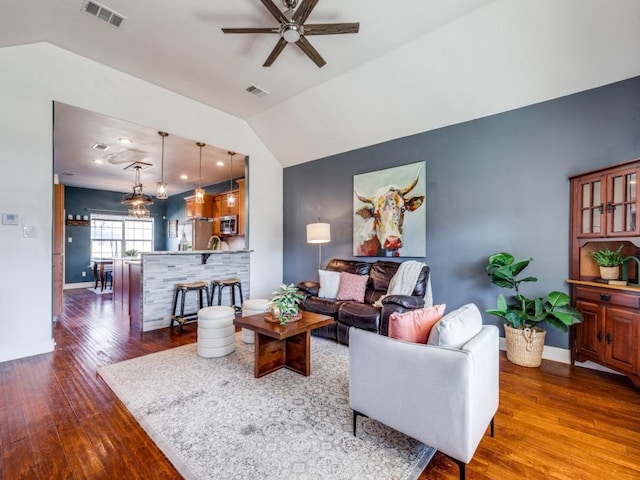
(352, 287)
(415, 325)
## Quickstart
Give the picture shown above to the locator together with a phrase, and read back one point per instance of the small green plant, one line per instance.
(286, 300)
(523, 312)
(131, 252)
(608, 258)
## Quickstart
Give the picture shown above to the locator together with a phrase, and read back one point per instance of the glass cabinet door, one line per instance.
(622, 202)
(591, 207)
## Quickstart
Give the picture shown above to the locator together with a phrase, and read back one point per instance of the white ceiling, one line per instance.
(414, 66)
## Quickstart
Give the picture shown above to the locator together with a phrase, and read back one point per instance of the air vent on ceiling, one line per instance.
(103, 13)
(257, 91)
(103, 147)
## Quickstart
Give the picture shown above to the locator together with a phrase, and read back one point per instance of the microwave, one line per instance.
(228, 225)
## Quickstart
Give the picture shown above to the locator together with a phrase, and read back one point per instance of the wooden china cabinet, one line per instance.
(604, 206)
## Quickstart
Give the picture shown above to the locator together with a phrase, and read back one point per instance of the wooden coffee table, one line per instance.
(287, 346)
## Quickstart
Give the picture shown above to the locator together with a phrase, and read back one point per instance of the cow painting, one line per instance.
(380, 209)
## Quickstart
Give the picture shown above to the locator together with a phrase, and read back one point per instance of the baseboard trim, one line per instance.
(563, 355)
(69, 286)
(13, 352)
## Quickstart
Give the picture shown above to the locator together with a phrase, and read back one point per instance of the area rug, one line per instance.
(214, 420)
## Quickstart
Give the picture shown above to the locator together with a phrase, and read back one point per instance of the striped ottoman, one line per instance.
(252, 307)
(216, 331)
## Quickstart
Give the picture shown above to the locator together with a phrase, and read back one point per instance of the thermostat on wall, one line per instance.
(9, 219)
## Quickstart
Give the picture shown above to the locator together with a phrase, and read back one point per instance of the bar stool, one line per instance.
(233, 283)
(182, 289)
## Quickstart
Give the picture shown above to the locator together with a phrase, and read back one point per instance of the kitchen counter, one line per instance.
(159, 272)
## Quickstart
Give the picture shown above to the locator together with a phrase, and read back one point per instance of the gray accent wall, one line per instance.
(494, 184)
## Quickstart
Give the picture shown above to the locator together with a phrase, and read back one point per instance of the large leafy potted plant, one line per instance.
(522, 315)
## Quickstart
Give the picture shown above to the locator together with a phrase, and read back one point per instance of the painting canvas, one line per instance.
(389, 212)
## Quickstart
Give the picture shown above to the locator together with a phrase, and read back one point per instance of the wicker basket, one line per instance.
(524, 347)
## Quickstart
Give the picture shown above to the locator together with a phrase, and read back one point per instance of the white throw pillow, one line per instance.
(329, 284)
(456, 328)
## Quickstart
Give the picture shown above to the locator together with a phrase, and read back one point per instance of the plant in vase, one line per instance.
(285, 304)
(609, 262)
(522, 315)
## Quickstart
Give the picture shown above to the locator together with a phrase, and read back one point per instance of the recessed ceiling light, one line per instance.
(220, 163)
(98, 161)
(125, 141)
(183, 176)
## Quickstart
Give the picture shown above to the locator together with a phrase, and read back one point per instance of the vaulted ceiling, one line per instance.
(415, 65)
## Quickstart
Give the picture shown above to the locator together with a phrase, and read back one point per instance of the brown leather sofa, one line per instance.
(362, 315)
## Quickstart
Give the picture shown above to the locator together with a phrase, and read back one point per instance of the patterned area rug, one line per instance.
(214, 420)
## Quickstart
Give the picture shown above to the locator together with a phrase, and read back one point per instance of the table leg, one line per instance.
(269, 355)
(298, 353)
(101, 276)
(95, 275)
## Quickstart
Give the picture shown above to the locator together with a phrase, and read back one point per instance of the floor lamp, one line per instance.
(319, 233)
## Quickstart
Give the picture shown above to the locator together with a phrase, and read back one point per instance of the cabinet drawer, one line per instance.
(608, 297)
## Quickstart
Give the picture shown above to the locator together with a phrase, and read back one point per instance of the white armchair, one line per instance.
(442, 397)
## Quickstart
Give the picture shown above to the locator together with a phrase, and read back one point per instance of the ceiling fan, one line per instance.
(293, 30)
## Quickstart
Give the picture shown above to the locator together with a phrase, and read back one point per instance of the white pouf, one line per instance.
(216, 331)
(250, 307)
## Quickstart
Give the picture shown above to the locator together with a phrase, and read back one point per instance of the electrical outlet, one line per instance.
(84, 274)
(70, 239)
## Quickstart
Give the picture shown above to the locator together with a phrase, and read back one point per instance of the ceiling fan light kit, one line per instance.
(293, 30)
(137, 200)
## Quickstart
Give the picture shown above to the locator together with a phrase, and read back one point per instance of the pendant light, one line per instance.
(137, 200)
(231, 198)
(162, 191)
(200, 190)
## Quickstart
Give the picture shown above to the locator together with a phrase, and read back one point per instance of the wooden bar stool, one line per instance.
(233, 283)
(181, 290)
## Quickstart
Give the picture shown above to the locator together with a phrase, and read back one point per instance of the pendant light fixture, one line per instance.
(231, 198)
(200, 190)
(162, 191)
(137, 200)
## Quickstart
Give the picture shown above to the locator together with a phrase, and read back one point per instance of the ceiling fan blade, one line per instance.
(311, 52)
(274, 10)
(303, 11)
(331, 28)
(277, 50)
(251, 30)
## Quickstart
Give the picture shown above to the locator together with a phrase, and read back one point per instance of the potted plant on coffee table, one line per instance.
(284, 306)
(609, 262)
(521, 315)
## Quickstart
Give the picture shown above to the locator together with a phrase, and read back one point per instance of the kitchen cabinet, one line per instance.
(199, 210)
(604, 204)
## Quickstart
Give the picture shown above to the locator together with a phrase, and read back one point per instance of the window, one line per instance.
(112, 235)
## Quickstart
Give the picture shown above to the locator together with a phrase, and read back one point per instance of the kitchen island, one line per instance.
(152, 282)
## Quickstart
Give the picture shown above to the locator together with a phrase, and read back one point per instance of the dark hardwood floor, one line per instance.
(58, 420)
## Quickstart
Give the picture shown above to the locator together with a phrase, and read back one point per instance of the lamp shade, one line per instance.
(318, 233)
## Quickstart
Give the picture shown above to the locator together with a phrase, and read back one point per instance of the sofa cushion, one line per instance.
(351, 266)
(321, 305)
(456, 328)
(352, 287)
(329, 283)
(381, 274)
(361, 315)
(415, 325)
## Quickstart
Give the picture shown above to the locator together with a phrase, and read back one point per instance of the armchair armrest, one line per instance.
(309, 288)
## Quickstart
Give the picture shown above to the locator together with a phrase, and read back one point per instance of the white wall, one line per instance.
(31, 78)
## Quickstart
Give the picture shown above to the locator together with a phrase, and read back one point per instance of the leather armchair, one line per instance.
(442, 397)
